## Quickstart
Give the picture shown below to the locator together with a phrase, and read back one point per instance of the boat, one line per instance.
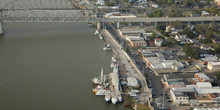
(96, 32)
(90, 25)
(107, 98)
(119, 98)
(100, 36)
(98, 81)
(114, 100)
(99, 87)
(100, 92)
(107, 47)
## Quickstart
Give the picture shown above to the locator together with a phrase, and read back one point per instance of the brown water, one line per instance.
(49, 66)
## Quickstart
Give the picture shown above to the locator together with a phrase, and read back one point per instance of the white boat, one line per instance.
(96, 32)
(100, 36)
(98, 81)
(100, 92)
(119, 98)
(107, 47)
(112, 65)
(107, 98)
(114, 100)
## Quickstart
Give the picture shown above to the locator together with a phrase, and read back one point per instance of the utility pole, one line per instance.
(163, 97)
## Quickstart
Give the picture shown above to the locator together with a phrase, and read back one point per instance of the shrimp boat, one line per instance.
(114, 100)
(107, 47)
(100, 36)
(119, 98)
(98, 81)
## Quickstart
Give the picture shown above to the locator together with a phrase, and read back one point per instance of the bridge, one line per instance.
(46, 11)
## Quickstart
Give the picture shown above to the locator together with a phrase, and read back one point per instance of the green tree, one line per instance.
(192, 52)
(178, 24)
(199, 29)
(218, 76)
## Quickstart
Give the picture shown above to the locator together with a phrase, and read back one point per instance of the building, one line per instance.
(158, 42)
(100, 2)
(205, 13)
(217, 2)
(202, 77)
(136, 41)
(209, 58)
(214, 66)
(173, 80)
(202, 92)
(179, 37)
(134, 32)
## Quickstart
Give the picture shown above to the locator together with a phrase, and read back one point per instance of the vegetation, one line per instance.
(107, 3)
(192, 52)
(161, 28)
(175, 13)
(218, 76)
(127, 50)
(156, 13)
(188, 31)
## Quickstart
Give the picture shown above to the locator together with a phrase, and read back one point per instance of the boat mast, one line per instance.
(102, 75)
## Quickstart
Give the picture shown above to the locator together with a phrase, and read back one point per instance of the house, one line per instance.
(205, 13)
(170, 28)
(201, 37)
(214, 66)
(202, 77)
(173, 80)
(179, 37)
(158, 42)
(203, 47)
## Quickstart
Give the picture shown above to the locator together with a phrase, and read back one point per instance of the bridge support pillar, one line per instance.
(202, 22)
(129, 24)
(141, 24)
(155, 24)
(1, 30)
(188, 23)
(118, 24)
(98, 25)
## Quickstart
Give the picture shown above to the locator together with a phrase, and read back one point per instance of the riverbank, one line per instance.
(127, 63)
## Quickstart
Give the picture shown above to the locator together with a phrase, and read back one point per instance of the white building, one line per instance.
(100, 2)
(214, 66)
(180, 37)
(158, 42)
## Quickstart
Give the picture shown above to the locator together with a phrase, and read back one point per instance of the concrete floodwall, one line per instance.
(135, 67)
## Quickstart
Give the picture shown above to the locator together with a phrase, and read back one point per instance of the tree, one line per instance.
(218, 76)
(178, 24)
(175, 13)
(126, 49)
(199, 29)
(161, 27)
(156, 13)
(192, 52)
(188, 32)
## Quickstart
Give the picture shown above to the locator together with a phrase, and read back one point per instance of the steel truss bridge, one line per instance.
(45, 11)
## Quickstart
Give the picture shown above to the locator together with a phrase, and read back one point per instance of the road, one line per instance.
(163, 19)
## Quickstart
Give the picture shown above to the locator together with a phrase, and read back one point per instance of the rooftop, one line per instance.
(215, 63)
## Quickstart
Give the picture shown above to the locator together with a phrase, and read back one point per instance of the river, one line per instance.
(49, 66)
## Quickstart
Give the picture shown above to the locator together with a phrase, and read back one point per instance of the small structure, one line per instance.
(158, 41)
(132, 82)
(214, 66)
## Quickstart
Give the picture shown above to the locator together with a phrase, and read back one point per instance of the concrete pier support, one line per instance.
(188, 23)
(129, 24)
(1, 30)
(155, 24)
(141, 24)
(118, 24)
(98, 25)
